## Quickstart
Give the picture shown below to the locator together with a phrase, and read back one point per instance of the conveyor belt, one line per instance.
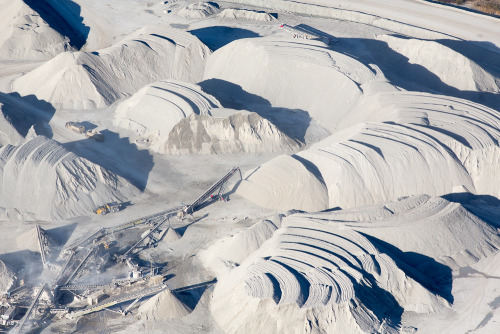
(40, 245)
(211, 190)
(30, 309)
(119, 300)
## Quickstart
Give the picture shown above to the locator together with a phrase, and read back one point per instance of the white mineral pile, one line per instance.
(284, 183)
(452, 68)
(25, 35)
(8, 133)
(171, 235)
(413, 143)
(325, 83)
(323, 276)
(219, 260)
(198, 10)
(155, 109)
(7, 277)
(246, 14)
(43, 178)
(432, 226)
(83, 80)
(241, 132)
(164, 305)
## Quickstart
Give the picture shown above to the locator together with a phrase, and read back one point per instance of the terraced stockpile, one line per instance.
(43, 178)
(89, 80)
(155, 109)
(412, 143)
(345, 271)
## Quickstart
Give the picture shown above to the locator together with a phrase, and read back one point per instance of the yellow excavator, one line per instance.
(108, 208)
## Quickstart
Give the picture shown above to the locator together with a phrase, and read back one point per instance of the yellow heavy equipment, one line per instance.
(108, 208)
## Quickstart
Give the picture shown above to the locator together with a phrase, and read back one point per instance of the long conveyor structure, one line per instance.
(119, 300)
(30, 309)
(220, 184)
(41, 245)
(73, 274)
(148, 219)
(145, 237)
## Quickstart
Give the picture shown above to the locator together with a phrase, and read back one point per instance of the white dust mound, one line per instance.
(325, 83)
(198, 10)
(43, 178)
(25, 35)
(219, 260)
(430, 226)
(246, 14)
(320, 276)
(6, 278)
(414, 143)
(171, 235)
(452, 68)
(241, 132)
(83, 80)
(155, 109)
(164, 305)
(285, 183)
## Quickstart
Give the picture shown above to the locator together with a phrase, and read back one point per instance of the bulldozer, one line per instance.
(108, 208)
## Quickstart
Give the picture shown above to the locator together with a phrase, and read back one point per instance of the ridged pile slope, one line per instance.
(43, 178)
(452, 68)
(352, 271)
(155, 109)
(82, 80)
(325, 83)
(413, 143)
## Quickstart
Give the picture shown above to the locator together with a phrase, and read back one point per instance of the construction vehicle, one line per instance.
(108, 208)
(76, 127)
(94, 134)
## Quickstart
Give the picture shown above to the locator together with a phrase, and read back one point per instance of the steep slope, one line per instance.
(155, 109)
(241, 132)
(451, 67)
(42, 178)
(8, 133)
(84, 80)
(325, 83)
(285, 183)
(353, 271)
(413, 143)
(25, 35)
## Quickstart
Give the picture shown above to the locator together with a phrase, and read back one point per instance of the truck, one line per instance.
(76, 127)
(108, 208)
